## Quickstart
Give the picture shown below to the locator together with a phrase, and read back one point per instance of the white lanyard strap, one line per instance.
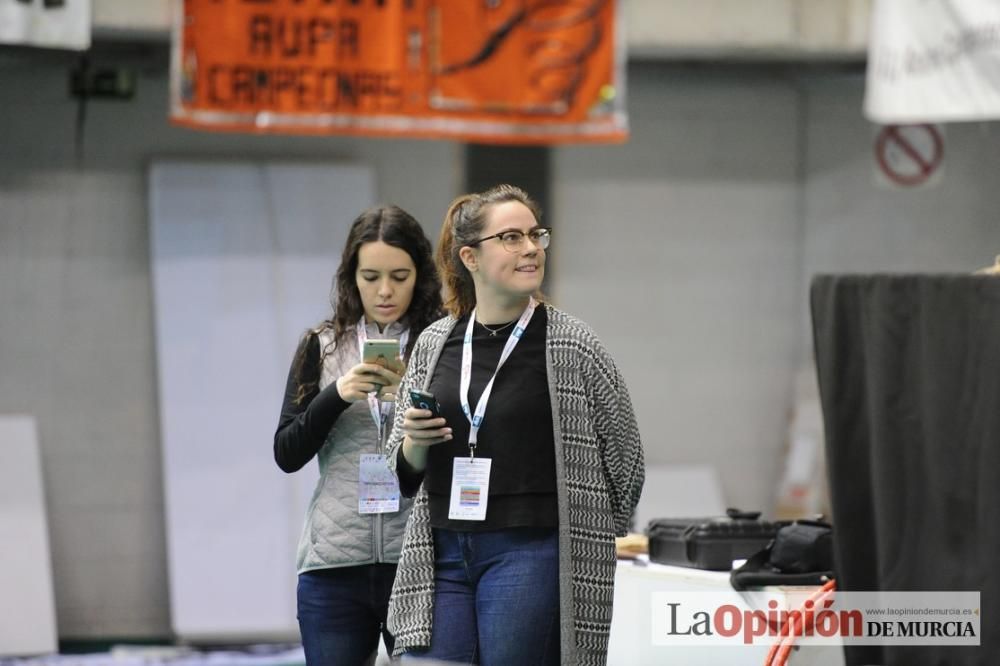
(379, 409)
(476, 420)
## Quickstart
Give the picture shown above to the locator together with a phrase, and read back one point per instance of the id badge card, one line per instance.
(378, 489)
(470, 488)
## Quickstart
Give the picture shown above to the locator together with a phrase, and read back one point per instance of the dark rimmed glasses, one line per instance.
(513, 240)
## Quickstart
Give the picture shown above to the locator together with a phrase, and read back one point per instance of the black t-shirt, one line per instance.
(516, 433)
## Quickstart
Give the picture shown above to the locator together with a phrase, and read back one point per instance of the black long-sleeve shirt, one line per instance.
(516, 434)
(304, 425)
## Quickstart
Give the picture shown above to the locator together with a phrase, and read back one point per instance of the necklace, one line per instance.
(494, 331)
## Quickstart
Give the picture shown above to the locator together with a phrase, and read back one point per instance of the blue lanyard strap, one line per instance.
(378, 409)
(476, 419)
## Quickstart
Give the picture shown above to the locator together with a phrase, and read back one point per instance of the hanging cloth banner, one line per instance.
(933, 61)
(490, 71)
(57, 24)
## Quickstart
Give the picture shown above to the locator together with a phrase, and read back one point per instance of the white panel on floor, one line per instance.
(242, 258)
(27, 606)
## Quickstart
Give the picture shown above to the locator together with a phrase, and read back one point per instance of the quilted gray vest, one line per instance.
(335, 534)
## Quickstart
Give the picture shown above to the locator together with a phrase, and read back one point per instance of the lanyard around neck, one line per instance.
(378, 409)
(476, 419)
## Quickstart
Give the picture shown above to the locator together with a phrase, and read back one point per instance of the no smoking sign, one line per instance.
(909, 156)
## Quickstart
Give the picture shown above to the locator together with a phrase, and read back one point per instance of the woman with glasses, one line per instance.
(336, 409)
(528, 473)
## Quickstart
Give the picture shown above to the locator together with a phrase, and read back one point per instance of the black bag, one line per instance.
(709, 543)
(800, 554)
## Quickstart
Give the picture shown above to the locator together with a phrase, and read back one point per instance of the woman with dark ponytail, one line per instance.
(337, 407)
(529, 471)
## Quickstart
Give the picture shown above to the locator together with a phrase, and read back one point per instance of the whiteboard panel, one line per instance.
(27, 605)
(242, 258)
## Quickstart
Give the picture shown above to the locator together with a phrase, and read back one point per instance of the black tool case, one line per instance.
(709, 543)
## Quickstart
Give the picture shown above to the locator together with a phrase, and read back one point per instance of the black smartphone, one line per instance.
(425, 400)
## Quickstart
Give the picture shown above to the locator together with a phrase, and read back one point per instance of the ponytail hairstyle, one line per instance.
(463, 224)
(393, 226)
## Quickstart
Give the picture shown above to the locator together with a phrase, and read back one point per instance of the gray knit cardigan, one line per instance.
(599, 476)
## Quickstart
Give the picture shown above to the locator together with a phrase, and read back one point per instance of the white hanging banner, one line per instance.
(58, 24)
(933, 61)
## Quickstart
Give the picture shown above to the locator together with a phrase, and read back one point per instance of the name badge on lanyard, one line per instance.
(470, 489)
(378, 488)
(470, 480)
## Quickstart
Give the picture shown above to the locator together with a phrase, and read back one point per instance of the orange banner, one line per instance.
(490, 71)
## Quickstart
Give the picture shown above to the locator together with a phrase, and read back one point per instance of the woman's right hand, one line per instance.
(362, 379)
(421, 430)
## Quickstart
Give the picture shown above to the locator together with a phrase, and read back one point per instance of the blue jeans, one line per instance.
(342, 612)
(496, 598)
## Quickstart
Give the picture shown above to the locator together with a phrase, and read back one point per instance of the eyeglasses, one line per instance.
(513, 239)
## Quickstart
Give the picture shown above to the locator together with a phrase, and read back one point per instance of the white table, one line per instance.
(631, 626)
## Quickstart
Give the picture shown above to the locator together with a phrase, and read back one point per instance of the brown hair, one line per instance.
(393, 226)
(463, 224)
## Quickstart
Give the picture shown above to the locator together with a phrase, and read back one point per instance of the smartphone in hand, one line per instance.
(384, 353)
(425, 400)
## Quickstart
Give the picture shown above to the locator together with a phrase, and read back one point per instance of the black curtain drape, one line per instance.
(909, 376)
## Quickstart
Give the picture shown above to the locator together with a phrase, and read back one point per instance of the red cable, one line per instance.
(778, 654)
